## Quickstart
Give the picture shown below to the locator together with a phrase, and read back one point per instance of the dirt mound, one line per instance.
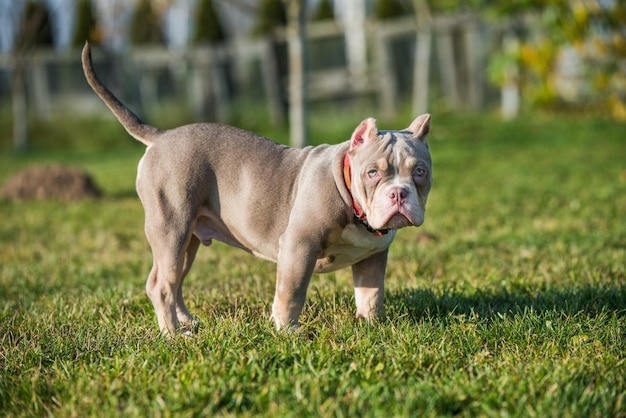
(50, 182)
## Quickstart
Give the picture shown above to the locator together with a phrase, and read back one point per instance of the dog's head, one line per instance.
(391, 173)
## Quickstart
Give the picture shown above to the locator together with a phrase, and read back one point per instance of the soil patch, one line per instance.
(50, 182)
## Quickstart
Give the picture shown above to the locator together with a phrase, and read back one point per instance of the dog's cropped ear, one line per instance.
(366, 131)
(420, 127)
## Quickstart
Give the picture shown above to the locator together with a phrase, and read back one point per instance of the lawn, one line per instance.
(509, 301)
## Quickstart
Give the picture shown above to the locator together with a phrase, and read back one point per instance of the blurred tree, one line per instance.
(271, 14)
(596, 31)
(324, 11)
(146, 27)
(86, 28)
(459, 6)
(388, 9)
(34, 30)
(208, 26)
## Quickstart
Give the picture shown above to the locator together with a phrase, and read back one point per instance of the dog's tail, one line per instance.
(133, 125)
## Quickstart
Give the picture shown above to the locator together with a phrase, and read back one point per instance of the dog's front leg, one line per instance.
(369, 279)
(296, 262)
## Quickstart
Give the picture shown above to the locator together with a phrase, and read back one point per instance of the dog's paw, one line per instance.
(195, 324)
(286, 326)
(189, 329)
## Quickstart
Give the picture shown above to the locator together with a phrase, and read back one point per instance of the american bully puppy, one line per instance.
(310, 210)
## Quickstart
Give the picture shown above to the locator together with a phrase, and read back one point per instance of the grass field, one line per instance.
(510, 301)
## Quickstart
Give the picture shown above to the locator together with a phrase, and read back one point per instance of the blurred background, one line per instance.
(175, 61)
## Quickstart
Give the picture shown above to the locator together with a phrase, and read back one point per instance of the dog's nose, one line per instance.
(397, 194)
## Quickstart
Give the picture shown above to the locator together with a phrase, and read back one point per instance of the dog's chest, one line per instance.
(353, 245)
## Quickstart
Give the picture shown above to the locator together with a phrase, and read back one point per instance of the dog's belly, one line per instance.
(340, 257)
(350, 246)
(354, 245)
(208, 227)
(206, 231)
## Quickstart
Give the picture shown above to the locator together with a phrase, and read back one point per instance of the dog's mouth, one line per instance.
(397, 221)
(397, 217)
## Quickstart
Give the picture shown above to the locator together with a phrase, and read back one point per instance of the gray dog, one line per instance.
(310, 210)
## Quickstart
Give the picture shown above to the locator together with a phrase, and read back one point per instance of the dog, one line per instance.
(310, 210)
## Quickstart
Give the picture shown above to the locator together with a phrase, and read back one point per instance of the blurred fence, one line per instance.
(443, 60)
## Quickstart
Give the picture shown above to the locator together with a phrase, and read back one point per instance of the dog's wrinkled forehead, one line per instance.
(393, 145)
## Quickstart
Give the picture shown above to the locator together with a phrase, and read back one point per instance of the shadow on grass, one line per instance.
(589, 299)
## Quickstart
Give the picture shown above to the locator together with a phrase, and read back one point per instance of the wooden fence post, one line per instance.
(198, 91)
(41, 89)
(509, 93)
(148, 96)
(20, 112)
(421, 70)
(447, 63)
(421, 65)
(474, 60)
(217, 57)
(387, 91)
(271, 81)
(296, 41)
(356, 42)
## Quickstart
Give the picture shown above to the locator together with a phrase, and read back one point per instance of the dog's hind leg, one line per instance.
(161, 287)
(169, 241)
(187, 322)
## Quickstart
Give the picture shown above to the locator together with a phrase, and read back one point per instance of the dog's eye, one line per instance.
(420, 172)
(372, 173)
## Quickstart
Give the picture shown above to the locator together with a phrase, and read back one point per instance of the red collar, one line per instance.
(359, 214)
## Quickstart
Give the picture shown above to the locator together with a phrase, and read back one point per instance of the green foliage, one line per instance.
(208, 26)
(146, 25)
(509, 301)
(85, 24)
(459, 6)
(503, 66)
(271, 14)
(388, 9)
(595, 32)
(324, 11)
(35, 28)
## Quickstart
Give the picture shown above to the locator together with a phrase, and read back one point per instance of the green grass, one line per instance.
(516, 307)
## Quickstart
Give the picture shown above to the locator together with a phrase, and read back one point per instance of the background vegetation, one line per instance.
(511, 300)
